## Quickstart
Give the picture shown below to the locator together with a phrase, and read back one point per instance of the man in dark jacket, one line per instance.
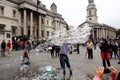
(3, 48)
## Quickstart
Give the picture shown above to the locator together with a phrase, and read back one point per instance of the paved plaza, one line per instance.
(81, 66)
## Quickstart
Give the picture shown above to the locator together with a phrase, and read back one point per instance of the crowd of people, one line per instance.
(6, 47)
(107, 47)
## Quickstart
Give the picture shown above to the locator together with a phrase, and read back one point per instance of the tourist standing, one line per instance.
(52, 50)
(3, 48)
(8, 48)
(89, 46)
(57, 50)
(78, 51)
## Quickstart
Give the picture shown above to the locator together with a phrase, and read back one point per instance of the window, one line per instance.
(1, 28)
(47, 33)
(52, 23)
(42, 21)
(47, 22)
(42, 33)
(8, 35)
(1, 10)
(59, 24)
(14, 13)
(14, 30)
(89, 13)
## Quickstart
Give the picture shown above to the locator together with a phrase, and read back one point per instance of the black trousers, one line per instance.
(52, 53)
(90, 53)
(104, 63)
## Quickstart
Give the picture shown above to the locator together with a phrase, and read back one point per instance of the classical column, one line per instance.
(97, 33)
(31, 25)
(106, 33)
(44, 28)
(103, 33)
(39, 26)
(93, 33)
(55, 25)
(19, 23)
(100, 35)
(24, 22)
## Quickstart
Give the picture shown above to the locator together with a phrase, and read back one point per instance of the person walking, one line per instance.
(64, 59)
(89, 46)
(3, 48)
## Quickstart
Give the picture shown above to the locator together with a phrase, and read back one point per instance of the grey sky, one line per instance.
(74, 11)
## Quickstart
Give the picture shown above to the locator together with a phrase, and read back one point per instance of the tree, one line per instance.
(118, 32)
(67, 27)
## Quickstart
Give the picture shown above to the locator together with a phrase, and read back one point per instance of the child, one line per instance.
(25, 61)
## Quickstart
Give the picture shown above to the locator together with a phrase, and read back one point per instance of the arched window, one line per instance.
(90, 13)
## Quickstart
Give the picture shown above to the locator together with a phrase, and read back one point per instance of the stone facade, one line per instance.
(25, 18)
(98, 30)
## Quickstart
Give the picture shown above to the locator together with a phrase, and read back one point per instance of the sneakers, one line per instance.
(71, 73)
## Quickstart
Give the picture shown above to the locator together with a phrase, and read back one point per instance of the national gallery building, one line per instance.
(28, 18)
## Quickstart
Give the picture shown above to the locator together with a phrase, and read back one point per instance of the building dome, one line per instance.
(53, 5)
(53, 8)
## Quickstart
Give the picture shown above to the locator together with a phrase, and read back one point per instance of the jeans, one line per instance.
(64, 60)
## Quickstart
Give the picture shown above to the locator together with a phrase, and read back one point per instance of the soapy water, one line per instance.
(42, 73)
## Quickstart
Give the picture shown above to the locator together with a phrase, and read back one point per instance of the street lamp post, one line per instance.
(37, 32)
